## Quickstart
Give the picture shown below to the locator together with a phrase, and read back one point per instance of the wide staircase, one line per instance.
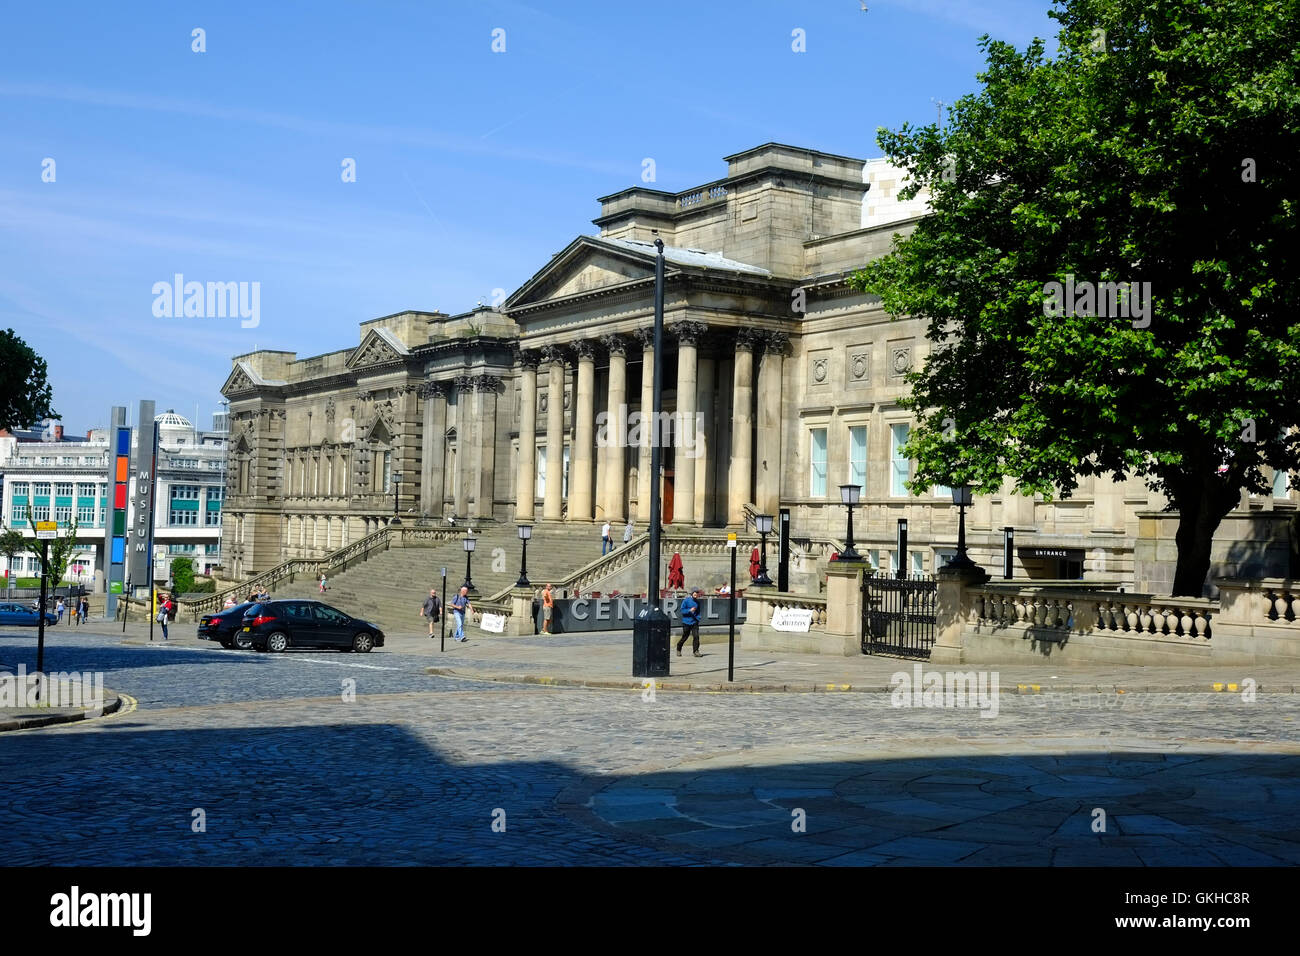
(390, 585)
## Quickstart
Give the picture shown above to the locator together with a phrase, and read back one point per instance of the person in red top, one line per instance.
(164, 612)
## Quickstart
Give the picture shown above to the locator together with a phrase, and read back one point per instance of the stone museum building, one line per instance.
(781, 383)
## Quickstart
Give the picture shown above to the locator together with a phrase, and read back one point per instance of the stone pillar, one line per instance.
(843, 608)
(584, 410)
(688, 335)
(614, 460)
(552, 507)
(526, 480)
(705, 433)
(646, 339)
(739, 487)
(767, 493)
(951, 611)
(432, 446)
(464, 443)
(485, 444)
(521, 620)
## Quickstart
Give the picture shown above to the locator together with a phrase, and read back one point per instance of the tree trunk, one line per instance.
(1198, 518)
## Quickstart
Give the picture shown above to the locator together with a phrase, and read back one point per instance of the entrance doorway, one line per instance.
(667, 509)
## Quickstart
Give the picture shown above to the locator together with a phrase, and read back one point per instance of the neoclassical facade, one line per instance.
(780, 383)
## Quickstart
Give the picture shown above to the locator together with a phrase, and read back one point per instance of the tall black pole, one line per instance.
(153, 492)
(650, 630)
(442, 643)
(731, 617)
(468, 583)
(40, 625)
(523, 581)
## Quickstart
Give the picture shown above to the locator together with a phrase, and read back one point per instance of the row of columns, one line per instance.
(696, 382)
(476, 430)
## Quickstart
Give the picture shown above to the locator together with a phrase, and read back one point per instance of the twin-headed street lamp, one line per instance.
(525, 532)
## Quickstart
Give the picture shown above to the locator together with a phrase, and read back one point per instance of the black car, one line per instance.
(226, 627)
(278, 625)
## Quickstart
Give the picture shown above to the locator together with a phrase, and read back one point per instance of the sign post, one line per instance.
(442, 641)
(45, 531)
(731, 610)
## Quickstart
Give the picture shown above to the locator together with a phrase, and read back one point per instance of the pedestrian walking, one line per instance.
(323, 588)
(164, 608)
(85, 609)
(432, 609)
(58, 612)
(230, 602)
(460, 610)
(548, 609)
(691, 623)
(606, 542)
(628, 531)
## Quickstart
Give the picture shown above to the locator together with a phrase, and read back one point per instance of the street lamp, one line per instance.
(469, 553)
(961, 495)
(764, 525)
(397, 484)
(850, 495)
(525, 532)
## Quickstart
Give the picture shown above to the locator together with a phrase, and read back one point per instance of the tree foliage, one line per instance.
(25, 395)
(1159, 144)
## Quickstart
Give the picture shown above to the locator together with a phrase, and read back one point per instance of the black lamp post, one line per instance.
(764, 525)
(525, 532)
(469, 542)
(397, 484)
(850, 495)
(961, 495)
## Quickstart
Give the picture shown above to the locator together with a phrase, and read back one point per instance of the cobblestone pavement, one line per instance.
(417, 770)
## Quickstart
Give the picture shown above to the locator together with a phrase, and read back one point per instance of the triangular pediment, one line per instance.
(377, 348)
(241, 379)
(586, 265)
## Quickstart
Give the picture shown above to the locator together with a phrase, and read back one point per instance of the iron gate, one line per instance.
(898, 615)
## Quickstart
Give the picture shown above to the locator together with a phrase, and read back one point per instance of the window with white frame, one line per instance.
(178, 517)
(20, 489)
(86, 515)
(18, 511)
(185, 492)
(212, 519)
(899, 466)
(541, 472)
(63, 489)
(42, 488)
(1281, 484)
(40, 513)
(85, 490)
(858, 457)
(942, 557)
(817, 463)
(874, 557)
(917, 561)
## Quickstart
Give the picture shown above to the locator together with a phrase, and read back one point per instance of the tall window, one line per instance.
(898, 463)
(858, 457)
(541, 472)
(1280, 484)
(388, 471)
(817, 464)
(565, 490)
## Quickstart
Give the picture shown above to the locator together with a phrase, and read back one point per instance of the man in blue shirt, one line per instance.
(691, 623)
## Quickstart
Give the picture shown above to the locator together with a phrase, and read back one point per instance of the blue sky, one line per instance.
(472, 167)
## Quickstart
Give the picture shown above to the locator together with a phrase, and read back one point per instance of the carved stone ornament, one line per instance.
(689, 333)
(820, 371)
(748, 340)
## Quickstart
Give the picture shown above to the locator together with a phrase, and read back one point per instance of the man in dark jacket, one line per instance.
(432, 609)
(691, 623)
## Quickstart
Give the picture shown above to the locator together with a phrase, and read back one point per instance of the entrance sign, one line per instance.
(47, 530)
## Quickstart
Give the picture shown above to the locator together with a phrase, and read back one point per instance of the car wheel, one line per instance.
(242, 641)
(277, 642)
(362, 643)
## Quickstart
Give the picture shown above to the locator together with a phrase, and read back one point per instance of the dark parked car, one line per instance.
(226, 627)
(22, 615)
(278, 625)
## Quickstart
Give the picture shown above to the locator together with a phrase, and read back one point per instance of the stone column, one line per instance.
(614, 459)
(646, 339)
(433, 443)
(584, 410)
(485, 444)
(705, 431)
(526, 481)
(767, 494)
(739, 487)
(684, 501)
(953, 600)
(552, 507)
(464, 443)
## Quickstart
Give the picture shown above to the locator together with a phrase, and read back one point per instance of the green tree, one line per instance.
(25, 396)
(1158, 145)
(12, 544)
(182, 575)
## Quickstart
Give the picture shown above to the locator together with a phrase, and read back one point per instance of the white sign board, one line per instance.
(47, 530)
(792, 619)
(731, 539)
(496, 623)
